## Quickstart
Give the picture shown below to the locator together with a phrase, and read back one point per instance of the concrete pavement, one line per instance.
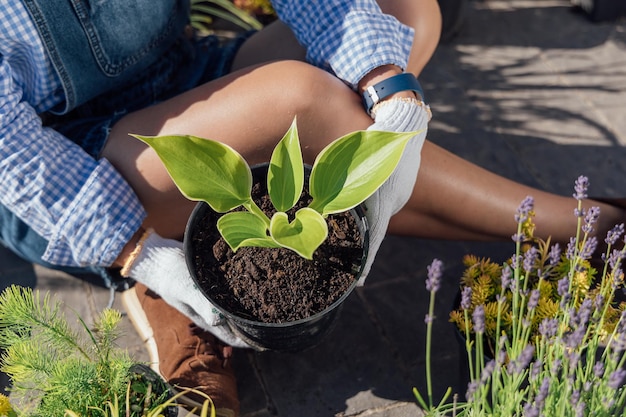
(529, 90)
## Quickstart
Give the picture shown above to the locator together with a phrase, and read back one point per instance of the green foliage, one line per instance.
(203, 13)
(344, 174)
(54, 368)
(544, 333)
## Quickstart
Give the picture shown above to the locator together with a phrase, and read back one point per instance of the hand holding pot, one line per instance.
(159, 264)
(395, 115)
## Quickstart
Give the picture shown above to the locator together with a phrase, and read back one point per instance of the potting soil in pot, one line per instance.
(276, 285)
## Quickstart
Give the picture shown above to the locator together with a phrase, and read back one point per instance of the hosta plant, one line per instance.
(344, 174)
(545, 332)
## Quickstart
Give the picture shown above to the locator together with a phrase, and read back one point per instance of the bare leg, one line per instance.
(489, 201)
(250, 110)
(474, 204)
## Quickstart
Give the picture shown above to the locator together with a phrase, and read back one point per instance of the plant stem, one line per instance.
(429, 331)
(253, 208)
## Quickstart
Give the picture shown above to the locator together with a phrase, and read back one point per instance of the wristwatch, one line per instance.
(400, 82)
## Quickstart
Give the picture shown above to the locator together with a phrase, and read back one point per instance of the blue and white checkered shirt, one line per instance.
(82, 206)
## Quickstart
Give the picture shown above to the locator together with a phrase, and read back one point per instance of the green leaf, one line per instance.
(350, 169)
(242, 228)
(204, 169)
(303, 235)
(285, 176)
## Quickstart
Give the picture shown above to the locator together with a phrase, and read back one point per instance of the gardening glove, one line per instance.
(395, 115)
(159, 264)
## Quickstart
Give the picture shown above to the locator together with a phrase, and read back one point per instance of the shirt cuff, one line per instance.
(98, 223)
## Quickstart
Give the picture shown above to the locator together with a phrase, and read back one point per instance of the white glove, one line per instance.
(395, 115)
(160, 265)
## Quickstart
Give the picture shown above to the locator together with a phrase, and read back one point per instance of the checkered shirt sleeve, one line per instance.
(347, 37)
(83, 207)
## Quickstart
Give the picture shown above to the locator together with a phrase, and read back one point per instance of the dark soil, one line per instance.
(276, 285)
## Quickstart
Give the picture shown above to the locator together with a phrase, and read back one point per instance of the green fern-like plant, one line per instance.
(203, 13)
(54, 368)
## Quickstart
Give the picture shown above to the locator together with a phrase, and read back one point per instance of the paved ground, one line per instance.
(529, 90)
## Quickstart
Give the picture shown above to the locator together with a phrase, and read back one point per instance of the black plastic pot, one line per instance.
(159, 386)
(291, 336)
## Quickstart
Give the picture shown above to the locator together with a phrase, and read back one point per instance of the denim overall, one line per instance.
(113, 57)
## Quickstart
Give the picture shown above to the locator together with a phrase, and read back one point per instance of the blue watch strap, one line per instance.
(400, 82)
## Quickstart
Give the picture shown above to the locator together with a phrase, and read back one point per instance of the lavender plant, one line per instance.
(545, 333)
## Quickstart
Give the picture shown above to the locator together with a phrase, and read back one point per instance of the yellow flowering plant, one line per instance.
(6, 410)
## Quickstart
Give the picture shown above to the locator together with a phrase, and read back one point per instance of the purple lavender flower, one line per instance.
(563, 286)
(571, 248)
(487, 371)
(544, 390)
(614, 234)
(433, 282)
(533, 300)
(531, 410)
(530, 257)
(617, 280)
(505, 277)
(575, 338)
(535, 369)
(478, 318)
(466, 298)
(598, 302)
(573, 357)
(616, 378)
(614, 258)
(555, 254)
(580, 188)
(575, 395)
(589, 248)
(591, 217)
(580, 409)
(515, 261)
(548, 327)
(524, 209)
(518, 237)
(584, 312)
(598, 369)
(472, 387)
(579, 212)
(428, 318)
(520, 363)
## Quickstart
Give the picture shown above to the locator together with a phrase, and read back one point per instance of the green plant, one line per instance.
(6, 409)
(344, 174)
(113, 408)
(204, 11)
(544, 333)
(54, 368)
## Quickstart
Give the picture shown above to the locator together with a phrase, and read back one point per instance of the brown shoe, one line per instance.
(185, 355)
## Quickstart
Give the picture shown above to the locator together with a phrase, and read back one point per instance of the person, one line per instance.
(80, 195)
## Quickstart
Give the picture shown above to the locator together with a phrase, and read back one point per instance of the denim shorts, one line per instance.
(188, 64)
